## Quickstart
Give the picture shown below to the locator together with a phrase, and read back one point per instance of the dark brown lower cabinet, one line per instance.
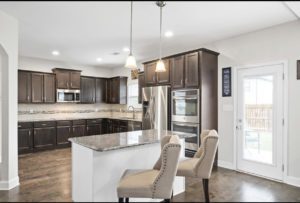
(63, 134)
(78, 131)
(93, 129)
(44, 138)
(25, 140)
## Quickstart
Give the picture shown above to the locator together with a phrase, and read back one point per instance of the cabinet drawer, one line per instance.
(79, 122)
(123, 123)
(45, 124)
(93, 121)
(25, 125)
(64, 123)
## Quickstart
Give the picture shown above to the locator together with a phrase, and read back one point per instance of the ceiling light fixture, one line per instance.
(55, 53)
(99, 59)
(160, 66)
(130, 62)
(126, 49)
(169, 34)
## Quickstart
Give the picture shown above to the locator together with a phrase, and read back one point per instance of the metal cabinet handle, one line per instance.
(71, 84)
(69, 130)
(28, 98)
(44, 124)
(29, 133)
(181, 82)
(19, 126)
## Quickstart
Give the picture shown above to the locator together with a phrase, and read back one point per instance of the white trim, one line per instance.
(285, 112)
(292, 181)
(8, 185)
(226, 164)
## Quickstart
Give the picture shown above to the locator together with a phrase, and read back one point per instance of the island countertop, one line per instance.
(107, 142)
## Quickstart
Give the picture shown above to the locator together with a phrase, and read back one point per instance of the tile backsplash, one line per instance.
(42, 111)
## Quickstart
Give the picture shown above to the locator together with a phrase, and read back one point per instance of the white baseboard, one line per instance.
(8, 185)
(225, 164)
(292, 181)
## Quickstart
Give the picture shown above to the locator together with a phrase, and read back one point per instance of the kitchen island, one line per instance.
(99, 161)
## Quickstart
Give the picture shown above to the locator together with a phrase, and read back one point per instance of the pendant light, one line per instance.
(160, 66)
(130, 62)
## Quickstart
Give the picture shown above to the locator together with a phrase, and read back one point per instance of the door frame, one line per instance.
(284, 63)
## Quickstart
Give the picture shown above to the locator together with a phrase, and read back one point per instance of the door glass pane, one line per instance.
(258, 113)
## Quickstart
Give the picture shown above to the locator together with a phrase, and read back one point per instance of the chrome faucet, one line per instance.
(133, 111)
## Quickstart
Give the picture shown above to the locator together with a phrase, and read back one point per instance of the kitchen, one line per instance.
(95, 97)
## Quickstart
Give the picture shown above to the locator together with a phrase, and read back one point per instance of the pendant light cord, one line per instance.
(160, 33)
(131, 29)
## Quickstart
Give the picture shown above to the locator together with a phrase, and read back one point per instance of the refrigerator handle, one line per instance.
(153, 112)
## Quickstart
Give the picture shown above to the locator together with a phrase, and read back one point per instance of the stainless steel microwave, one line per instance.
(67, 96)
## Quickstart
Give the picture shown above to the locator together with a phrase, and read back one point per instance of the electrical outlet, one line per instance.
(31, 111)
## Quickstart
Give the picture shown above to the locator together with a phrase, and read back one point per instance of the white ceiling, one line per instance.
(84, 31)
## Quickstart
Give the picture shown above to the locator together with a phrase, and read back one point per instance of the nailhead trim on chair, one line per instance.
(162, 171)
(204, 151)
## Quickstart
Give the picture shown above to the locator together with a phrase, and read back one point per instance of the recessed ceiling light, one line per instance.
(55, 53)
(99, 59)
(169, 34)
(126, 49)
(116, 53)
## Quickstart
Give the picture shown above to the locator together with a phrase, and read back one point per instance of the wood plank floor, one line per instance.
(46, 177)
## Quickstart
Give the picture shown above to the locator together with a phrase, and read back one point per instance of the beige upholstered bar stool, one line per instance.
(155, 183)
(200, 166)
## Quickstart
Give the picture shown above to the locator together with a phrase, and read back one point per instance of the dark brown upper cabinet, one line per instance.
(24, 87)
(141, 79)
(153, 78)
(191, 70)
(49, 88)
(150, 74)
(117, 90)
(101, 90)
(75, 79)
(37, 87)
(177, 69)
(185, 71)
(88, 90)
(67, 79)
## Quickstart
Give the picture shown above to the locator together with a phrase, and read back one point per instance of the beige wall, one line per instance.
(9, 61)
(269, 45)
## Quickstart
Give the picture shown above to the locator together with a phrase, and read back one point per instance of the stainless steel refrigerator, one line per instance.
(156, 107)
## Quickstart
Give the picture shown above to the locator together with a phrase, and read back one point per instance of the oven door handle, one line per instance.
(185, 98)
(186, 125)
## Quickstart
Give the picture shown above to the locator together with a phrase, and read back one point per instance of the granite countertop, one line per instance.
(77, 118)
(116, 141)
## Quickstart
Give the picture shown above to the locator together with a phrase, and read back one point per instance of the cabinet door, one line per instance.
(122, 90)
(88, 90)
(24, 87)
(191, 70)
(115, 90)
(116, 129)
(44, 138)
(108, 91)
(75, 80)
(93, 129)
(150, 74)
(100, 90)
(62, 136)
(104, 127)
(164, 77)
(49, 88)
(78, 131)
(37, 87)
(25, 141)
(177, 69)
(141, 79)
(62, 79)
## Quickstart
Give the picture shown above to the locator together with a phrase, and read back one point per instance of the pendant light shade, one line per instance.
(160, 66)
(130, 62)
